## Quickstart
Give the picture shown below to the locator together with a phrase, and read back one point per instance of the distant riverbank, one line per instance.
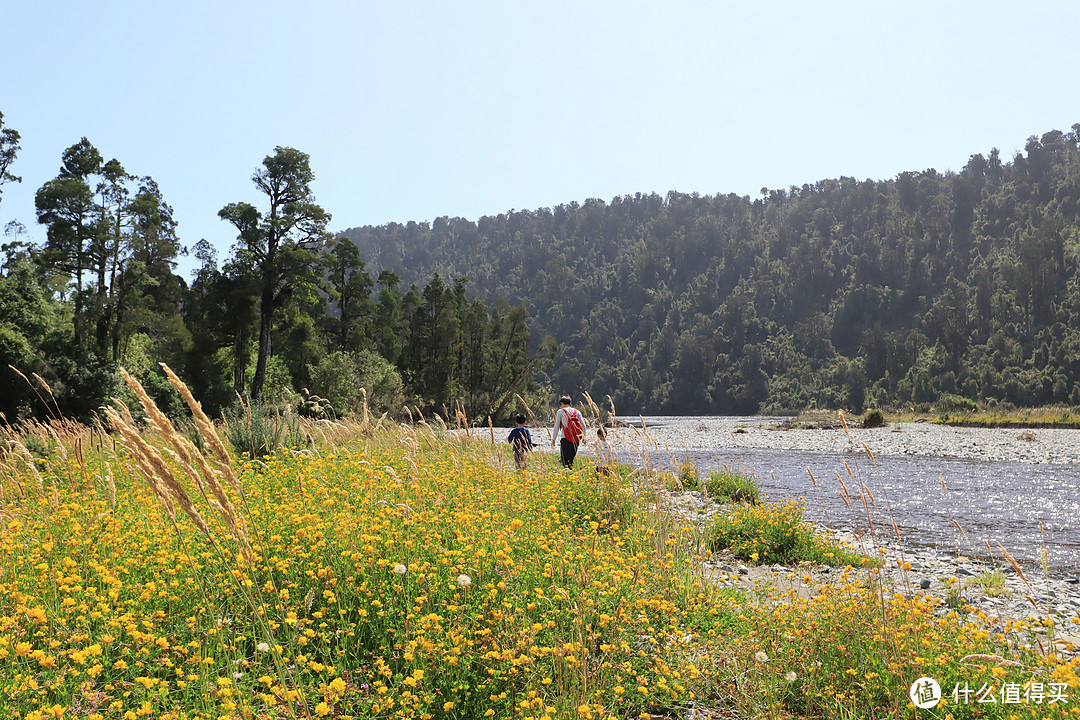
(928, 440)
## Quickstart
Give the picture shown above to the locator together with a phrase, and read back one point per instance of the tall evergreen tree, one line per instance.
(350, 288)
(281, 242)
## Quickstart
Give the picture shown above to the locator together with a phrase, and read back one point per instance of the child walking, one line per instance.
(521, 441)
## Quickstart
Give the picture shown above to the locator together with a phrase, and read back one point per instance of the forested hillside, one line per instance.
(844, 293)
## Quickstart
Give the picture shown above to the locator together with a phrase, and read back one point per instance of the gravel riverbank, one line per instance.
(957, 582)
(1058, 446)
(931, 571)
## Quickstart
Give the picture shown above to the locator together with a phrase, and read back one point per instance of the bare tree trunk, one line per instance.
(266, 319)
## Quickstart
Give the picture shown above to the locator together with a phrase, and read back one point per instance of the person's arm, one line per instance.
(560, 416)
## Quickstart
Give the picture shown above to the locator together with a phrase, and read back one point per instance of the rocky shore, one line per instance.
(956, 582)
(1059, 446)
(931, 571)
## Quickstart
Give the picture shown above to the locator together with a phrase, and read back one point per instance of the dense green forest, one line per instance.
(291, 318)
(844, 293)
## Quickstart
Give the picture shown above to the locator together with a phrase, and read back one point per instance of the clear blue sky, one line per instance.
(413, 110)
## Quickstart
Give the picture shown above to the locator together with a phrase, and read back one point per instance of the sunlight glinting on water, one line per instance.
(984, 503)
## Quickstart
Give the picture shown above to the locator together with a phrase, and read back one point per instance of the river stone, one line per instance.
(1068, 640)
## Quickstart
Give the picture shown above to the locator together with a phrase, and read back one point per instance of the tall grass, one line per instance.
(256, 430)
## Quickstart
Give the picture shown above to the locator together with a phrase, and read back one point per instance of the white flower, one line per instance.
(399, 569)
(761, 657)
(464, 581)
(791, 676)
(262, 647)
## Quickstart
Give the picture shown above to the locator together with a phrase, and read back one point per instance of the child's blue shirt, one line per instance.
(520, 438)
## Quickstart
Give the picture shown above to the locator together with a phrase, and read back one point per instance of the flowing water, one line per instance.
(954, 505)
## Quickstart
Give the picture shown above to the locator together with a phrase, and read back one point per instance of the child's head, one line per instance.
(601, 433)
(565, 401)
(519, 419)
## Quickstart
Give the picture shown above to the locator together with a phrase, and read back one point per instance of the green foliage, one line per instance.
(81, 381)
(954, 594)
(873, 419)
(776, 533)
(113, 236)
(348, 379)
(29, 319)
(40, 445)
(9, 148)
(958, 289)
(949, 403)
(991, 583)
(732, 487)
(256, 430)
(688, 475)
(279, 242)
(309, 405)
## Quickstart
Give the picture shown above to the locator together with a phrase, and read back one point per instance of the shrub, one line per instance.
(991, 583)
(873, 418)
(731, 487)
(776, 533)
(343, 378)
(38, 447)
(309, 405)
(668, 481)
(948, 403)
(256, 430)
(688, 476)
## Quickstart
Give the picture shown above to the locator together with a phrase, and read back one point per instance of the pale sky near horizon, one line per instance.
(415, 110)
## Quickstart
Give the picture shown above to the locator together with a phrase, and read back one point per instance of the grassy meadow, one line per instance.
(379, 570)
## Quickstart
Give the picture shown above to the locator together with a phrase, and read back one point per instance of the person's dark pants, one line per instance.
(567, 452)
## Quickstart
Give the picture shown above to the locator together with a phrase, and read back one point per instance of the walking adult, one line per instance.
(569, 429)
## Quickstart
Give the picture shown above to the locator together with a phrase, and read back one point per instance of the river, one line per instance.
(954, 505)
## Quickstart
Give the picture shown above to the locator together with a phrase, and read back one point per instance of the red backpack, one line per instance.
(574, 427)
